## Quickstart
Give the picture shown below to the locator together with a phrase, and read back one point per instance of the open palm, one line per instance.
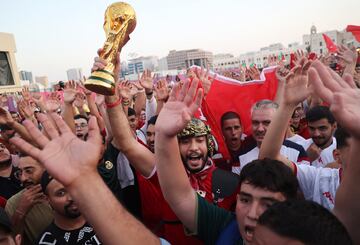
(179, 109)
(341, 93)
(296, 86)
(65, 157)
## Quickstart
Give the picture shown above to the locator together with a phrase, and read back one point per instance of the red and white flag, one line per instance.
(227, 94)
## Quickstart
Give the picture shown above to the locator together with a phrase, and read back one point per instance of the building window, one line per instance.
(321, 51)
(320, 44)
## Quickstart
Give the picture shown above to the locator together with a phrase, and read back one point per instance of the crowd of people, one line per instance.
(139, 167)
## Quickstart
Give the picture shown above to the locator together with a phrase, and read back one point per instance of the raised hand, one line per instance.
(180, 107)
(80, 99)
(70, 92)
(203, 76)
(254, 73)
(124, 90)
(300, 58)
(25, 93)
(296, 86)
(5, 117)
(161, 90)
(25, 110)
(348, 56)
(100, 64)
(146, 81)
(341, 93)
(65, 157)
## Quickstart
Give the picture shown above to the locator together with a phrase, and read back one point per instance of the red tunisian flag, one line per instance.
(329, 44)
(355, 30)
(227, 94)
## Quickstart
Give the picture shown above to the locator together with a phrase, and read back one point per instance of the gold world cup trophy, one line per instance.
(120, 21)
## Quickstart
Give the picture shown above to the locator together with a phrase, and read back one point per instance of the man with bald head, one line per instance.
(28, 210)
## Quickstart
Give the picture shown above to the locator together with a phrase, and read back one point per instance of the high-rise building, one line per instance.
(26, 76)
(183, 59)
(140, 64)
(74, 74)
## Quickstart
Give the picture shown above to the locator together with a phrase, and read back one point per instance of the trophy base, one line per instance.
(101, 82)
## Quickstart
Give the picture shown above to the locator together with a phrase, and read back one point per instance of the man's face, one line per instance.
(321, 132)
(251, 203)
(260, 120)
(232, 133)
(4, 154)
(29, 172)
(143, 115)
(264, 236)
(61, 201)
(150, 137)
(193, 151)
(133, 122)
(81, 128)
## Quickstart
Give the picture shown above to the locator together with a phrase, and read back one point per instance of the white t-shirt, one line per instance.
(318, 184)
(292, 151)
(326, 155)
(296, 138)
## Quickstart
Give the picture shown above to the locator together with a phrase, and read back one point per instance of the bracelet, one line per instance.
(113, 104)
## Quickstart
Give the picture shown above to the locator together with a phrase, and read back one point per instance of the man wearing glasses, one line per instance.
(29, 210)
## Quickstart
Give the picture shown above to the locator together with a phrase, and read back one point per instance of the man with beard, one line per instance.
(28, 210)
(321, 125)
(81, 126)
(69, 226)
(9, 184)
(262, 182)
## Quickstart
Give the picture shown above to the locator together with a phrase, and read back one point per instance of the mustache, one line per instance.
(27, 183)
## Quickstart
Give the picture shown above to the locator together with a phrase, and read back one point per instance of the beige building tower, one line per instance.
(9, 75)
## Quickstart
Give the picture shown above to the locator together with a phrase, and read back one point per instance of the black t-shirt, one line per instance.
(55, 236)
(9, 186)
(108, 170)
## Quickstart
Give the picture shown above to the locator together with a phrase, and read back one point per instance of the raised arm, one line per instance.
(295, 91)
(68, 109)
(344, 99)
(138, 155)
(174, 182)
(6, 119)
(74, 163)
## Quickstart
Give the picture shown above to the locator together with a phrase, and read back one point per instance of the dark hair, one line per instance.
(79, 116)
(152, 120)
(305, 221)
(131, 112)
(229, 115)
(319, 112)
(341, 135)
(45, 180)
(271, 175)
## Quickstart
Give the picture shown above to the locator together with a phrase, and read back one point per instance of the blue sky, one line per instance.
(53, 36)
